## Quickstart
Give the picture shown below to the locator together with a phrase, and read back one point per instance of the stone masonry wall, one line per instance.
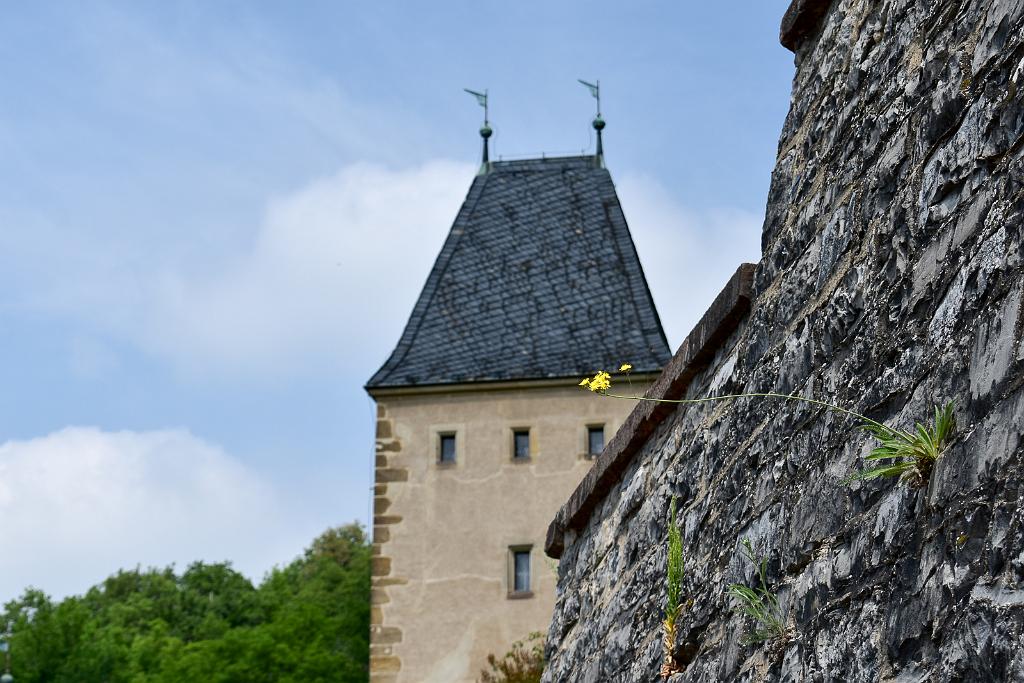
(890, 281)
(384, 664)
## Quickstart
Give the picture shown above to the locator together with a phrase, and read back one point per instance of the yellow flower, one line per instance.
(601, 382)
(625, 367)
(585, 382)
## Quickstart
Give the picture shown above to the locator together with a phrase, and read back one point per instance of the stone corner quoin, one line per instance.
(890, 282)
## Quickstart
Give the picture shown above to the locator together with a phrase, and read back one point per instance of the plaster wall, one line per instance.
(442, 534)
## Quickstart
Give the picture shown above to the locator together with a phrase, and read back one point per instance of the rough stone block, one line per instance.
(890, 281)
(385, 635)
(379, 665)
(392, 474)
(380, 566)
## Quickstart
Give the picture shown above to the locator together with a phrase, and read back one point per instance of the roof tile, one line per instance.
(538, 278)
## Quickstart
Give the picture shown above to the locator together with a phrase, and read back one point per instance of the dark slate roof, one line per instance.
(538, 278)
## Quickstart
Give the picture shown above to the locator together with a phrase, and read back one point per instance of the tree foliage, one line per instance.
(306, 622)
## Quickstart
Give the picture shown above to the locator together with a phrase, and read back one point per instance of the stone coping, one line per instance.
(694, 354)
(801, 19)
(489, 385)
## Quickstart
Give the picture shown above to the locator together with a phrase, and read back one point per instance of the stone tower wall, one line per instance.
(890, 281)
(442, 599)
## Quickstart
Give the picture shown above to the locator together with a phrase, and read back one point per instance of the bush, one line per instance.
(524, 663)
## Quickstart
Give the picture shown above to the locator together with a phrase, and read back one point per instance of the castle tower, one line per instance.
(482, 431)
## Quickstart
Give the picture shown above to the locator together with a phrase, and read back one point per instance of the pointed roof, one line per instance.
(537, 279)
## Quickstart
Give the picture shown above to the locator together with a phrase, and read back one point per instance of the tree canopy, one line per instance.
(304, 623)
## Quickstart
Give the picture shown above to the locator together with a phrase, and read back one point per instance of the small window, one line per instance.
(595, 440)
(521, 444)
(521, 571)
(446, 453)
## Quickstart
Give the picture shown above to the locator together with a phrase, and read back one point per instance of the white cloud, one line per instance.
(79, 503)
(325, 280)
(329, 275)
(687, 255)
(333, 271)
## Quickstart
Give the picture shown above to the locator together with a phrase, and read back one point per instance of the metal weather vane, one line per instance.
(481, 99)
(598, 122)
(485, 130)
(595, 92)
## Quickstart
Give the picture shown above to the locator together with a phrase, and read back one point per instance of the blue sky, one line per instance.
(215, 219)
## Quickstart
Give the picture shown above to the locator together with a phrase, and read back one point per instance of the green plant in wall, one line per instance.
(673, 593)
(524, 663)
(759, 603)
(910, 454)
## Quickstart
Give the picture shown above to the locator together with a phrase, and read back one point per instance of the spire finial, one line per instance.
(485, 130)
(598, 123)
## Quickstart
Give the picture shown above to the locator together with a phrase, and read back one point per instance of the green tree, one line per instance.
(307, 622)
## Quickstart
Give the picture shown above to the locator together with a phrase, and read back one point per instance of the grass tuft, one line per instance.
(674, 592)
(759, 603)
(674, 583)
(909, 455)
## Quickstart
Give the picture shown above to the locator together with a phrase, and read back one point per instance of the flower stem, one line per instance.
(787, 397)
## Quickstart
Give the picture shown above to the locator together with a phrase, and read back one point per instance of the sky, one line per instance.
(215, 219)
